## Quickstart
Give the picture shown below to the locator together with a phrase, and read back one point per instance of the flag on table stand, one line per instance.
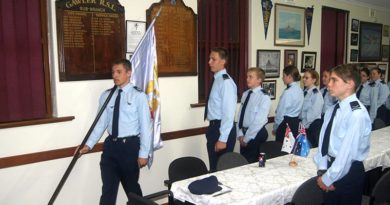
(289, 140)
(144, 75)
(302, 147)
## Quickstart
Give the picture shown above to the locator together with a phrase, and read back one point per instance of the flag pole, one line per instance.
(292, 162)
(77, 153)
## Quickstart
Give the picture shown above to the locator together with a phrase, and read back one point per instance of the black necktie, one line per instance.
(359, 91)
(325, 90)
(115, 117)
(325, 142)
(243, 109)
(207, 99)
(305, 93)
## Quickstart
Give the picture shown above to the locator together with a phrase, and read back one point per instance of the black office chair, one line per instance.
(230, 160)
(134, 199)
(272, 149)
(308, 193)
(184, 168)
(380, 193)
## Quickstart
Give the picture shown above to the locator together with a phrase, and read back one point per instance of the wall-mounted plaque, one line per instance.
(91, 35)
(176, 37)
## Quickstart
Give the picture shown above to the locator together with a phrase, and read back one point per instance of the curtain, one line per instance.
(22, 89)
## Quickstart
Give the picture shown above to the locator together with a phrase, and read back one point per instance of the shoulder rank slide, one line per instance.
(225, 76)
(355, 105)
(315, 90)
(137, 88)
(265, 92)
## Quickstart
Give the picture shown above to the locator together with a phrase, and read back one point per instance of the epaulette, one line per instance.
(383, 82)
(315, 90)
(225, 76)
(265, 92)
(108, 90)
(355, 105)
(137, 88)
(372, 84)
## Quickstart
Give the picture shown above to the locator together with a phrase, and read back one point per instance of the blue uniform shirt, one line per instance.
(256, 113)
(379, 95)
(312, 106)
(290, 104)
(222, 103)
(134, 118)
(365, 94)
(329, 100)
(349, 139)
(388, 98)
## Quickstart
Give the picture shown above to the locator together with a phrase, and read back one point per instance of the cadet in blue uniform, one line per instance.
(388, 107)
(220, 109)
(253, 115)
(312, 106)
(363, 92)
(126, 148)
(329, 100)
(290, 104)
(344, 141)
(379, 94)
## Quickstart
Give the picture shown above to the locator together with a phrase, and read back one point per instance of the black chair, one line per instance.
(272, 149)
(230, 160)
(134, 199)
(379, 123)
(308, 193)
(184, 168)
(380, 193)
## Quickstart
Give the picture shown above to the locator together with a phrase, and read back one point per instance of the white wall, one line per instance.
(35, 183)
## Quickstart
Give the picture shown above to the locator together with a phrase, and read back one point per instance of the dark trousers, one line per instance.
(313, 132)
(349, 189)
(293, 123)
(119, 163)
(383, 114)
(212, 136)
(252, 149)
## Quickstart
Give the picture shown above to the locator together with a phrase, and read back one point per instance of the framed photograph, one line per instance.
(269, 61)
(355, 25)
(354, 39)
(289, 25)
(385, 52)
(270, 87)
(370, 42)
(354, 55)
(290, 57)
(385, 30)
(308, 61)
(135, 30)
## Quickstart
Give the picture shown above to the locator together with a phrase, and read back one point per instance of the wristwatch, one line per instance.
(320, 172)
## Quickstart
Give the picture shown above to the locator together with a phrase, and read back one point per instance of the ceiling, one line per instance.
(383, 5)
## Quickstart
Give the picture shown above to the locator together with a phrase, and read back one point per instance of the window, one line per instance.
(24, 79)
(222, 23)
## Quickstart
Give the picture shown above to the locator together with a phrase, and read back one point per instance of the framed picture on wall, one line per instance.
(270, 87)
(289, 25)
(354, 39)
(385, 52)
(308, 61)
(370, 42)
(269, 61)
(355, 25)
(290, 57)
(354, 55)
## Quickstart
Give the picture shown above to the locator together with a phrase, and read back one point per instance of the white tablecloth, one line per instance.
(277, 182)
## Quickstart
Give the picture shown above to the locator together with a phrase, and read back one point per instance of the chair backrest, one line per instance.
(272, 149)
(380, 192)
(308, 193)
(186, 167)
(134, 199)
(230, 160)
(379, 123)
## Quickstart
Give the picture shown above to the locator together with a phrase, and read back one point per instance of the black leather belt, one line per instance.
(330, 160)
(215, 122)
(123, 139)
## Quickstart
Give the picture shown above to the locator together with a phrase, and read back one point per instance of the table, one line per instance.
(277, 182)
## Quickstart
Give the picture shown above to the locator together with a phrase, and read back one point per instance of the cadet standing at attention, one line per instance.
(290, 104)
(253, 115)
(220, 109)
(344, 141)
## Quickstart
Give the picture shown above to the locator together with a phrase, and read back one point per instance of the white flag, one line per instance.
(144, 75)
(289, 140)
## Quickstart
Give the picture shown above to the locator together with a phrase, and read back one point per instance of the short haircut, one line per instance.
(126, 63)
(365, 70)
(222, 52)
(259, 72)
(377, 69)
(293, 71)
(314, 74)
(348, 72)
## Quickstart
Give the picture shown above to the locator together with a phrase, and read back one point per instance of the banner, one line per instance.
(266, 6)
(309, 18)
